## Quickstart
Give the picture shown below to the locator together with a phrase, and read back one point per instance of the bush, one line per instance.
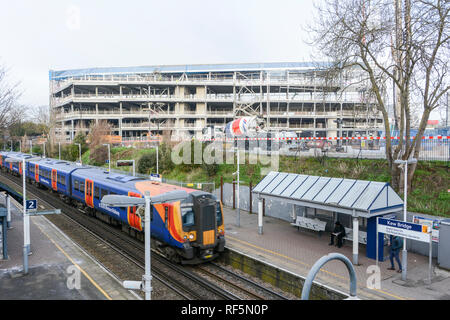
(98, 156)
(147, 163)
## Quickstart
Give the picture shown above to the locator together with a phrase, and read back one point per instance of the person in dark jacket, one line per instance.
(394, 251)
(339, 233)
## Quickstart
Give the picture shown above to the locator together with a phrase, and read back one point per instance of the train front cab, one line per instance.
(202, 219)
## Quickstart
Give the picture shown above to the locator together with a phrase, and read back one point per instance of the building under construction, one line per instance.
(183, 100)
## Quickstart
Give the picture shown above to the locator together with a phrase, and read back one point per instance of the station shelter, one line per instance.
(320, 201)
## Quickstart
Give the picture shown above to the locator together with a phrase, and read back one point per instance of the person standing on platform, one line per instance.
(394, 251)
(339, 233)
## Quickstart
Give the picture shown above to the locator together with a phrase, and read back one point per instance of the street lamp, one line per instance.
(109, 156)
(44, 149)
(405, 205)
(126, 201)
(26, 217)
(79, 147)
(237, 173)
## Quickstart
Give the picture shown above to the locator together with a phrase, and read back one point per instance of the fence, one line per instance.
(432, 147)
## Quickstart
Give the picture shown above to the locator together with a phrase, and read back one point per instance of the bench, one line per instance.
(362, 236)
(308, 223)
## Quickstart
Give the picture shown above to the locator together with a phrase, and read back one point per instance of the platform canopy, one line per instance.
(355, 197)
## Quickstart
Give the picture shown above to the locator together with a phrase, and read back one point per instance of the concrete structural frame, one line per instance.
(183, 100)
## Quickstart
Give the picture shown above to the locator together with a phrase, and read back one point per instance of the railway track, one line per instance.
(191, 283)
(250, 288)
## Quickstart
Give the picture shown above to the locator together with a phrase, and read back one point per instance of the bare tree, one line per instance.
(41, 114)
(98, 133)
(391, 41)
(10, 110)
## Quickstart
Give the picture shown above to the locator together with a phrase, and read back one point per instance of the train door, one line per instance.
(54, 180)
(20, 168)
(89, 192)
(36, 173)
(134, 220)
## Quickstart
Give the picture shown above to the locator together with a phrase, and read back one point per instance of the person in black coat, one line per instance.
(339, 232)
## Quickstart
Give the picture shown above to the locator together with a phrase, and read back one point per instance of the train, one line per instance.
(190, 231)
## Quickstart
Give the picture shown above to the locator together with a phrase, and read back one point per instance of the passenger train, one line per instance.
(190, 231)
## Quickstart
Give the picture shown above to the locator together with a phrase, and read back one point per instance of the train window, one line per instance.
(96, 192)
(187, 215)
(103, 193)
(75, 184)
(218, 214)
(112, 193)
(82, 187)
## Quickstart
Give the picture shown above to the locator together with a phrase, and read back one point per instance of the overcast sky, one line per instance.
(56, 34)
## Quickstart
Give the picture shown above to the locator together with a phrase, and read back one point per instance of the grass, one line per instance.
(429, 192)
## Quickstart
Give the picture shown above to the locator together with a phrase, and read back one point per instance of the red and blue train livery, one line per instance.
(189, 231)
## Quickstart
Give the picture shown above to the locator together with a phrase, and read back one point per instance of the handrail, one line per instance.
(318, 265)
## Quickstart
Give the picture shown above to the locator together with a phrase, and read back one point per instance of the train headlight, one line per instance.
(191, 237)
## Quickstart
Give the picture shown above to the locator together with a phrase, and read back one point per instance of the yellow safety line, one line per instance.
(309, 266)
(76, 265)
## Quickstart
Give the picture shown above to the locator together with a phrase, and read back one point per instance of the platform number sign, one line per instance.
(31, 204)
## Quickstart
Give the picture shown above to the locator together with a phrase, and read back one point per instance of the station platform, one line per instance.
(296, 251)
(58, 268)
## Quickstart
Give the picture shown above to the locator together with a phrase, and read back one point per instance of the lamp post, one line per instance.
(59, 150)
(147, 201)
(31, 147)
(79, 147)
(26, 217)
(405, 205)
(109, 156)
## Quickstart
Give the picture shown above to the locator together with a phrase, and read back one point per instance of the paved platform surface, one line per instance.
(281, 244)
(58, 268)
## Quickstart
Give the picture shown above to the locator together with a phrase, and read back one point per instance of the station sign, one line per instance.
(31, 204)
(403, 229)
(433, 225)
(156, 177)
(125, 163)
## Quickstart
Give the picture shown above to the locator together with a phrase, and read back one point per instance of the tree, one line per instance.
(10, 111)
(98, 133)
(390, 41)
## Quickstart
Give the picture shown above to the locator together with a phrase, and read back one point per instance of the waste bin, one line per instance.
(444, 244)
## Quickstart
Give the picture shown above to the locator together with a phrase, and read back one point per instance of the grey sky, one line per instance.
(47, 34)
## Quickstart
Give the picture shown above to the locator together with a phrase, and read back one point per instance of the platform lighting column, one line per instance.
(109, 156)
(260, 216)
(59, 150)
(405, 206)
(355, 237)
(8, 210)
(31, 147)
(26, 223)
(238, 217)
(44, 150)
(147, 278)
